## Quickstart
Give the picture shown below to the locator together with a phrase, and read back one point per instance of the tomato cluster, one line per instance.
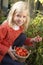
(21, 51)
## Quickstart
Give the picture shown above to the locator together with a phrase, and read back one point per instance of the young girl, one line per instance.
(12, 33)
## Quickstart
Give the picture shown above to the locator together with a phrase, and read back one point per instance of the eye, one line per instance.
(18, 15)
(24, 16)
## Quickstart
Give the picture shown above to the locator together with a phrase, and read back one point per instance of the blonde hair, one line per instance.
(18, 6)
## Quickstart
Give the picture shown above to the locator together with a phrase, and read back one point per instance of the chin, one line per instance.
(20, 24)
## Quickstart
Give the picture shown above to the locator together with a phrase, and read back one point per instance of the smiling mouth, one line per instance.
(19, 22)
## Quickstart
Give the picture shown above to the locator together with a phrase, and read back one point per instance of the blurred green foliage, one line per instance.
(2, 19)
(36, 28)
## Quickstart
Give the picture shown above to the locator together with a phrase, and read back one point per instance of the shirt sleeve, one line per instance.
(22, 40)
(3, 48)
(28, 42)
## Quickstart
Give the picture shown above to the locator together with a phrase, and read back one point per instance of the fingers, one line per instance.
(38, 38)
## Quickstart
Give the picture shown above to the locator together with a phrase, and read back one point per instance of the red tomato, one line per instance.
(24, 50)
(21, 51)
(24, 54)
(17, 48)
(17, 53)
(21, 54)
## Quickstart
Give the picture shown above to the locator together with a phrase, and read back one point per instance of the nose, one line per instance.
(21, 19)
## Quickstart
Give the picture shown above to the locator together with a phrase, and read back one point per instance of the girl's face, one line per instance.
(20, 18)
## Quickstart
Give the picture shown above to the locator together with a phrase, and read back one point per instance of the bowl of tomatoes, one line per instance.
(21, 53)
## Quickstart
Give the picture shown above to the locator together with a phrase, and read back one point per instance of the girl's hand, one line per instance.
(36, 39)
(11, 54)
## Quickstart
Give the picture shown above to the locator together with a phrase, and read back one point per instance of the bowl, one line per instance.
(21, 53)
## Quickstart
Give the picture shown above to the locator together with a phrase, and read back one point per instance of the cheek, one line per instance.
(25, 20)
(15, 18)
